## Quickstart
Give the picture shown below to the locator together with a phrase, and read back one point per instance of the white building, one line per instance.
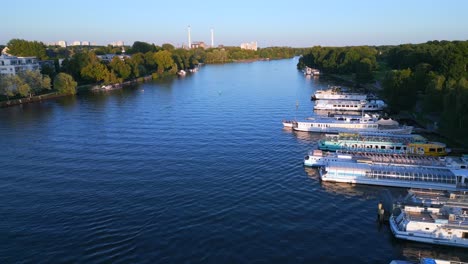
(119, 43)
(85, 43)
(76, 43)
(249, 46)
(62, 43)
(13, 65)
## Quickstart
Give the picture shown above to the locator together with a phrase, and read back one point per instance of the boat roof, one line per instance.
(332, 101)
(364, 167)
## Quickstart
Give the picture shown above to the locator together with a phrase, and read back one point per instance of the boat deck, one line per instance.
(397, 158)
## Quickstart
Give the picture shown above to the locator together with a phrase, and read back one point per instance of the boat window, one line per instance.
(397, 147)
(432, 150)
(382, 147)
(440, 149)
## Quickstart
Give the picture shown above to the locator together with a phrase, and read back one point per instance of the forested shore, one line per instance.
(427, 80)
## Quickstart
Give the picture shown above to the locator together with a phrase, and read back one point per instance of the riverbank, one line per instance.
(32, 99)
(79, 89)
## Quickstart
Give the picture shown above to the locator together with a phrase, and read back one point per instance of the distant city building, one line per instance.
(249, 46)
(62, 43)
(85, 43)
(76, 43)
(198, 44)
(117, 43)
(12, 64)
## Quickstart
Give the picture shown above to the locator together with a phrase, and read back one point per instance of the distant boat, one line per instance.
(308, 71)
(181, 73)
(336, 93)
(311, 71)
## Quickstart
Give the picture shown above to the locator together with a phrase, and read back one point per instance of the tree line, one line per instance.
(83, 66)
(428, 78)
(360, 61)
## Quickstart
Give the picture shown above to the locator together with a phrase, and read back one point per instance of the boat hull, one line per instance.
(388, 183)
(336, 130)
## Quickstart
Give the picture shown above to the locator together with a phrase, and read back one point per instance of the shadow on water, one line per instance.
(21, 115)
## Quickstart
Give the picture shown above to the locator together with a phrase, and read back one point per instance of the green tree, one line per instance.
(364, 71)
(142, 47)
(120, 67)
(21, 47)
(398, 90)
(168, 47)
(94, 72)
(65, 84)
(35, 80)
(164, 61)
(7, 85)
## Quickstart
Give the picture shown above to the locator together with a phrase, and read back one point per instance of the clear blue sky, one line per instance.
(296, 23)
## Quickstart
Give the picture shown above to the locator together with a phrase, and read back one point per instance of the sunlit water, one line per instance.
(196, 169)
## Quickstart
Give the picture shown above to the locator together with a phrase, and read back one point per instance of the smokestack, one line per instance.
(189, 40)
(212, 38)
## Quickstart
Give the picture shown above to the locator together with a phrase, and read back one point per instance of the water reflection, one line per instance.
(413, 251)
(348, 190)
(22, 115)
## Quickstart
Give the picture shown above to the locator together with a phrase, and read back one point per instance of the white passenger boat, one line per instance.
(440, 224)
(411, 144)
(350, 105)
(348, 124)
(396, 175)
(319, 158)
(336, 93)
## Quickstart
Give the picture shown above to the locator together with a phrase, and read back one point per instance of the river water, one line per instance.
(196, 169)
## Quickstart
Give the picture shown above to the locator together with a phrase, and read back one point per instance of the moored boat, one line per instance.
(440, 223)
(181, 73)
(412, 144)
(336, 93)
(350, 105)
(348, 124)
(396, 175)
(318, 158)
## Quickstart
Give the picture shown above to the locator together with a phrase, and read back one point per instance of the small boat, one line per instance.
(311, 71)
(350, 105)
(336, 93)
(396, 175)
(411, 144)
(181, 73)
(349, 124)
(440, 223)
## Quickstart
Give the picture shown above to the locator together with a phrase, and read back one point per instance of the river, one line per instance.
(196, 169)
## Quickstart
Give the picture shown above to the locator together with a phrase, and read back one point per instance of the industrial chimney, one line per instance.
(189, 40)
